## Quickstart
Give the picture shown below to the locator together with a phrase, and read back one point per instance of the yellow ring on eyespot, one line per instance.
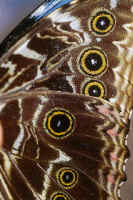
(86, 69)
(99, 15)
(59, 195)
(60, 179)
(59, 113)
(89, 84)
(55, 113)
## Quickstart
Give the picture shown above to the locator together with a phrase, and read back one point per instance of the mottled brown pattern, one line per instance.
(96, 156)
(60, 46)
(42, 72)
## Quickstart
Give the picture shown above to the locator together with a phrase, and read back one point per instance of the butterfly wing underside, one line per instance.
(86, 152)
(66, 98)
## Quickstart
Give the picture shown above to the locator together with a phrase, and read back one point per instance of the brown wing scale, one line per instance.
(60, 144)
(35, 141)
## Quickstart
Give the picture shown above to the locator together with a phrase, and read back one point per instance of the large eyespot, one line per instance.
(94, 88)
(102, 23)
(93, 62)
(59, 123)
(59, 196)
(67, 177)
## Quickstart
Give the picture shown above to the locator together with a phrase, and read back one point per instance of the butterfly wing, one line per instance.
(80, 160)
(91, 62)
(74, 144)
(87, 57)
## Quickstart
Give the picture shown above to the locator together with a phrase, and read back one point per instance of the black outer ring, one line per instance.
(102, 12)
(59, 136)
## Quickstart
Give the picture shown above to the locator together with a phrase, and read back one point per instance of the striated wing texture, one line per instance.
(65, 103)
(61, 44)
(63, 143)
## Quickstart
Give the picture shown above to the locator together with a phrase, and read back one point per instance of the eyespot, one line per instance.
(67, 177)
(93, 62)
(59, 196)
(102, 23)
(59, 123)
(94, 88)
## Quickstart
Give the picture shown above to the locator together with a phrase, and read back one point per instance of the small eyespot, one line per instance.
(67, 177)
(93, 62)
(102, 23)
(60, 196)
(94, 88)
(59, 123)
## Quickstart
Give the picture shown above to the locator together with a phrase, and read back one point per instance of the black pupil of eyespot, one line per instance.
(68, 177)
(60, 198)
(103, 23)
(93, 61)
(94, 91)
(60, 123)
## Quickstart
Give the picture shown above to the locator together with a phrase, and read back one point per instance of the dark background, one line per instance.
(11, 13)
